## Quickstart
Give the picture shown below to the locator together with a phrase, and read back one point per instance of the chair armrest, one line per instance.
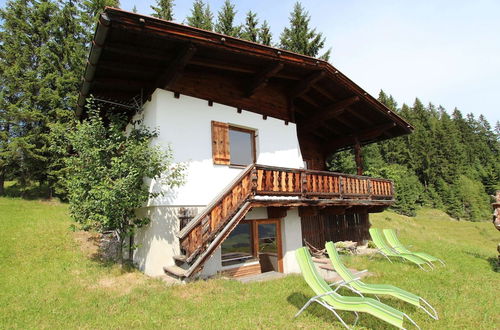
(360, 272)
(337, 283)
(345, 283)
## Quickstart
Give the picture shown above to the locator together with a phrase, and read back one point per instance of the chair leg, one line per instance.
(327, 307)
(304, 307)
(415, 324)
(434, 314)
(357, 318)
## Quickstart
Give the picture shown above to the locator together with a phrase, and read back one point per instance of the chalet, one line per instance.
(255, 126)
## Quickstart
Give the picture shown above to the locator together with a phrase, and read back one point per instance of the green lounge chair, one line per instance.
(333, 301)
(361, 288)
(393, 240)
(384, 249)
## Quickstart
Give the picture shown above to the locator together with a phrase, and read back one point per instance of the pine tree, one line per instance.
(251, 30)
(164, 9)
(300, 38)
(95, 7)
(265, 36)
(42, 62)
(225, 20)
(134, 9)
(201, 16)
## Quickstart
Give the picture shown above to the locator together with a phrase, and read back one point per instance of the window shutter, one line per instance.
(220, 143)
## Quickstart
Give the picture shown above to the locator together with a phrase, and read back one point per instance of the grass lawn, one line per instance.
(48, 280)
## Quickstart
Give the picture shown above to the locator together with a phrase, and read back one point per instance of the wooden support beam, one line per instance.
(331, 111)
(304, 85)
(261, 79)
(276, 212)
(344, 122)
(357, 156)
(366, 134)
(122, 84)
(135, 51)
(359, 116)
(175, 68)
(291, 110)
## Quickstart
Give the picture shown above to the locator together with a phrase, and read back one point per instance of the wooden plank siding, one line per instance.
(321, 228)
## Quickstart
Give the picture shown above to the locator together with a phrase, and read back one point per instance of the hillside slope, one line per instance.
(48, 279)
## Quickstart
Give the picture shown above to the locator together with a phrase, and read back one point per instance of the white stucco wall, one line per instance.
(291, 233)
(157, 243)
(185, 125)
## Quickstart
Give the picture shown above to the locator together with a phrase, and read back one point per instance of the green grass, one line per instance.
(48, 281)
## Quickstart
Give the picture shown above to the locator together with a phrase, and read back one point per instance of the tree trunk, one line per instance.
(120, 249)
(2, 184)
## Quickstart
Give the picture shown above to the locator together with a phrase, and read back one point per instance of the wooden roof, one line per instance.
(132, 55)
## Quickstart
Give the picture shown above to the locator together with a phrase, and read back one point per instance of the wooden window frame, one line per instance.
(254, 147)
(279, 239)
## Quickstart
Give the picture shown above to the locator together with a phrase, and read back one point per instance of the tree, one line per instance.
(265, 36)
(201, 16)
(94, 7)
(105, 175)
(251, 30)
(134, 9)
(225, 20)
(164, 9)
(300, 38)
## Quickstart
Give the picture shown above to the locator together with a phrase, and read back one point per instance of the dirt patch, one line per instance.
(120, 284)
(99, 247)
(88, 243)
(198, 291)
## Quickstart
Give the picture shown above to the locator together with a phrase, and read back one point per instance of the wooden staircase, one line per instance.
(203, 234)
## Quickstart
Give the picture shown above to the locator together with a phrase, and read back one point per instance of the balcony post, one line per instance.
(358, 157)
(303, 183)
(253, 181)
(341, 186)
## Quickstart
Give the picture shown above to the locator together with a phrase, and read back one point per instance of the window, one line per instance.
(238, 245)
(242, 144)
(232, 145)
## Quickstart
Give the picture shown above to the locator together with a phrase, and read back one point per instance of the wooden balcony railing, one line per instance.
(276, 181)
(201, 235)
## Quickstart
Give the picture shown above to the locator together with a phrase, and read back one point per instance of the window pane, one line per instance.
(241, 146)
(238, 245)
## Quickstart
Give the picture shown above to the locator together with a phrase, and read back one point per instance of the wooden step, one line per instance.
(180, 257)
(327, 267)
(321, 260)
(175, 270)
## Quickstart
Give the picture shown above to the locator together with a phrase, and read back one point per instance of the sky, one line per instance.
(441, 51)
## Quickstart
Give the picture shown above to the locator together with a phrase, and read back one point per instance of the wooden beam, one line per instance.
(135, 51)
(175, 67)
(276, 212)
(331, 111)
(359, 116)
(262, 78)
(357, 157)
(366, 134)
(122, 84)
(304, 85)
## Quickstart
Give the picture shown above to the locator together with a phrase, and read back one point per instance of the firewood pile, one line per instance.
(496, 218)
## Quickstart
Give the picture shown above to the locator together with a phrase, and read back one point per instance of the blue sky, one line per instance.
(446, 52)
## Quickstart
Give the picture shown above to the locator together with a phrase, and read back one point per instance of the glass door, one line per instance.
(268, 245)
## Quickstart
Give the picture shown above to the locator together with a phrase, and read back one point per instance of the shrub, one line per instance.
(105, 175)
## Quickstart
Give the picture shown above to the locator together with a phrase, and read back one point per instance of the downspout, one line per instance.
(95, 52)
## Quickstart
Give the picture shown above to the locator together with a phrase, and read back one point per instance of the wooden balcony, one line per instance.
(258, 186)
(316, 185)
